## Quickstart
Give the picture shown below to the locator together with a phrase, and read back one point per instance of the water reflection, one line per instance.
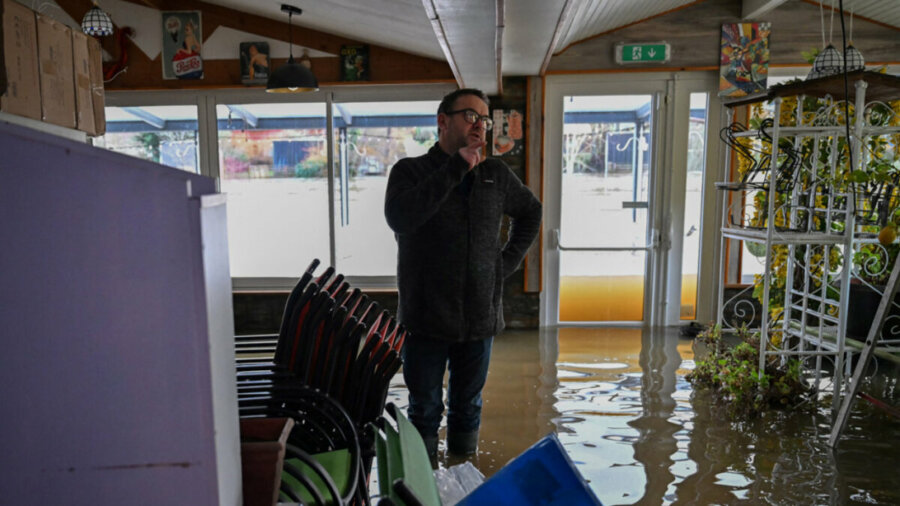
(639, 434)
(637, 414)
(656, 446)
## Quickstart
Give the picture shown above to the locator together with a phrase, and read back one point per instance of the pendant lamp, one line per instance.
(828, 63)
(291, 77)
(96, 23)
(853, 59)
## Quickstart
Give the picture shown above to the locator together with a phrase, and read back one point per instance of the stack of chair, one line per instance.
(332, 362)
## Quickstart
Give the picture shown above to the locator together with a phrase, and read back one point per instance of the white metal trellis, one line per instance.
(810, 216)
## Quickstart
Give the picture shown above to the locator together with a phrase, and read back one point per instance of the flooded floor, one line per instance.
(639, 434)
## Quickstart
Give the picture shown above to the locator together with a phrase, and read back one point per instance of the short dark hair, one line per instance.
(450, 98)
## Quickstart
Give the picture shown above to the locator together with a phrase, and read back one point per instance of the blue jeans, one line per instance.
(424, 362)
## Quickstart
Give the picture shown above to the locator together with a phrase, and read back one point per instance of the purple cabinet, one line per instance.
(117, 371)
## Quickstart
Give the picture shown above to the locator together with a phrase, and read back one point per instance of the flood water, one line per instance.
(639, 434)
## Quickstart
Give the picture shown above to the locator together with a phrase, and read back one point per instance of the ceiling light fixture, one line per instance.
(291, 77)
(96, 23)
(853, 59)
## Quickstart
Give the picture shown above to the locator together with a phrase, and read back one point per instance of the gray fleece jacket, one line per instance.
(450, 262)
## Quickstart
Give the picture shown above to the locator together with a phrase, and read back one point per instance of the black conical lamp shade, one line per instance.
(292, 78)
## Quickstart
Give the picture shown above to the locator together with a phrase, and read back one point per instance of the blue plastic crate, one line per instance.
(542, 475)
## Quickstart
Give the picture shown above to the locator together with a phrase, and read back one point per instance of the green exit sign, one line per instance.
(647, 52)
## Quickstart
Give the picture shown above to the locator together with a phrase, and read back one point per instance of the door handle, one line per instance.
(636, 204)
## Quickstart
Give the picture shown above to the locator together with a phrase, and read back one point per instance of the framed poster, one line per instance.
(355, 63)
(254, 62)
(744, 59)
(507, 133)
(182, 44)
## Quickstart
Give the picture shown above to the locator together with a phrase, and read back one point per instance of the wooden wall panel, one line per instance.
(695, 32)
(386, 65)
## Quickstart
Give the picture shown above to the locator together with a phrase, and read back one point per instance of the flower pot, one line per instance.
(862, 307)
(262, 458)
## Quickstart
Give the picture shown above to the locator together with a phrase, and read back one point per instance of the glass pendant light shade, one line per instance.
(828, 63)
(96, 23)
(291, 77)
(854, 59)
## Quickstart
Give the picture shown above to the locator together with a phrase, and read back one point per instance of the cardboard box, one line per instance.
(57, 73)
(84, 106)
(98, 100)
(22, 96)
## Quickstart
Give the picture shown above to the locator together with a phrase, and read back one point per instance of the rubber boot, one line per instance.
(462, 443)
(431, 446)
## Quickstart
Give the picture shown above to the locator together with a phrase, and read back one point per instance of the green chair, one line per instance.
(306, 481)
(323, 457)
(404, 469)
(321, 479)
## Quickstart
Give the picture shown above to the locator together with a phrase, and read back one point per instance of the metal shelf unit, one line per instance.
(812, 224)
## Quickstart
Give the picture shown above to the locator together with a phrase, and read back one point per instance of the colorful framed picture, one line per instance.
(507, 134)
(182, 45)
(355, 63)
(254, 62)
(744, 59)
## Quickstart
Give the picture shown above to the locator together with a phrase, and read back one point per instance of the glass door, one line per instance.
(603, 238)
(601, 160)
(625, 200)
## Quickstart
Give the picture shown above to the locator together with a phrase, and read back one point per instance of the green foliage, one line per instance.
(425, 135)
(872, 264)
(149, 141)
(311, 166)
(810, 56)
(733, 376)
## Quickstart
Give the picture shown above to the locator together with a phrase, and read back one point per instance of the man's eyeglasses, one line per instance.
(471, 116)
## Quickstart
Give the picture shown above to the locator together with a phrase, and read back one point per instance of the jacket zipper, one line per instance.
(465, 294)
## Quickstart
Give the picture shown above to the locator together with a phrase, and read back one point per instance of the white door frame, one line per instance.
(671, 93)
(684, 84)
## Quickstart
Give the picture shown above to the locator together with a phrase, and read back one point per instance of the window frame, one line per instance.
(207, 139)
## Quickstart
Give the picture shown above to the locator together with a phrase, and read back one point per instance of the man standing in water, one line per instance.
(446, 208)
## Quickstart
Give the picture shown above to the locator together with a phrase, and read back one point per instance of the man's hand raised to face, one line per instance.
(472, 153)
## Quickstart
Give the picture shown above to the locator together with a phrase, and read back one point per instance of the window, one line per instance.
(270, 154)
(161, 134)
(273, 166)
(370, 137)
(696, 162)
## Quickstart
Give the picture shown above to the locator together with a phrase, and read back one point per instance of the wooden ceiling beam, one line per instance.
(153, 4)
(441, 35)
(561, 23)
